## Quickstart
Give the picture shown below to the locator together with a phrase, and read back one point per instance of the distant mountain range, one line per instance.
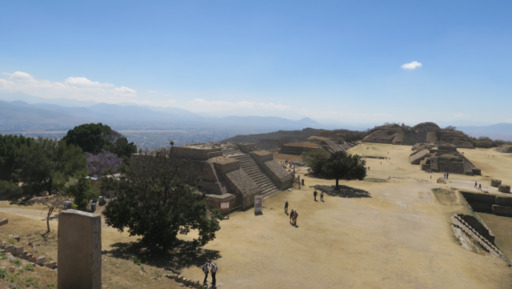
(21, 117)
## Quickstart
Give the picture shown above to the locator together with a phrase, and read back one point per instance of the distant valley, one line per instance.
(151, 128)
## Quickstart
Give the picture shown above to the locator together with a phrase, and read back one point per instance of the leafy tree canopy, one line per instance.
(10, 146)
(339, 165)
(156, 199)
(46, 165)
(97, 137)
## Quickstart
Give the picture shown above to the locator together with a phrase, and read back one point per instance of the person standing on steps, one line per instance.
(205, 271)
(214, 270)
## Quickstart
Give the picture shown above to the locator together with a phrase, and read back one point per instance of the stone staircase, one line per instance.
(254, 172)
(482, 241)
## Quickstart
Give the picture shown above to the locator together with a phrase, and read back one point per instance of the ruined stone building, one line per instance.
(313, 143)
(234, 173)
(442, 158)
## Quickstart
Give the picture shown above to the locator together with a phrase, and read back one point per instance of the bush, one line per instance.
(9, 191)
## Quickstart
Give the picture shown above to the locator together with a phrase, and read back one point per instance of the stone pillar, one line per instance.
(79, 257)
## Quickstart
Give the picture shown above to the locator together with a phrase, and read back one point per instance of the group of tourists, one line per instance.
(293, 214)
(210, 267)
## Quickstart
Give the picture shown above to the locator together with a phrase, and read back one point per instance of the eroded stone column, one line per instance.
(79, 258)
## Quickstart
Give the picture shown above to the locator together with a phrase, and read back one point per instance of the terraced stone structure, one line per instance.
(234, 173)
(427, 132)
(314, 143)
(442, 158)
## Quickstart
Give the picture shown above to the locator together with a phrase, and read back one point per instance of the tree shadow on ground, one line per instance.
(343, 191)
(184, 254)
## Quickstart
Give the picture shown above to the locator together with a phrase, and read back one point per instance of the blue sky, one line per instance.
(353, 62)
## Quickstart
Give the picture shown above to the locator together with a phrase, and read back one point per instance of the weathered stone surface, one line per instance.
(478, 197)
(79, 255)
(504, 188)
(503, 201)
(502, 210)
(18, 251)
(40, 260)
(495, 183)
(9, 248)
(4, 221)
(51, 265)
(17, 238)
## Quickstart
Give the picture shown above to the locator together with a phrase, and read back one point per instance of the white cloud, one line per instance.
(412, 65)
(76, 88)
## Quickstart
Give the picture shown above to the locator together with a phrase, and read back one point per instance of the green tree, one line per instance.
(315, 160)
(156, 199)
(10, 146)
(97, 137)
(341, 165)
(46, 165)
(83, 192)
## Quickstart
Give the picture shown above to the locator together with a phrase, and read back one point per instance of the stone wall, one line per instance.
(487, 203)
(196, 153)
(240, 184)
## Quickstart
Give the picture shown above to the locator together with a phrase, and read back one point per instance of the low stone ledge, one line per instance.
(504, 188)
(495, 183)
(4, 222)
(503, 201)
(502, 210)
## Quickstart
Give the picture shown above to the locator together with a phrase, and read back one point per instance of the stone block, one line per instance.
(495, 183)
(4, 221)
(504, 188)
(18, 251)
(17, 238)
(79, 252)
(9, 248)
(502, 210)
(51, 265)
(503, 201)
(40, 260)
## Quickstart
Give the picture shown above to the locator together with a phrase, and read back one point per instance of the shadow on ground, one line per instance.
(184, 254)
(343, 191)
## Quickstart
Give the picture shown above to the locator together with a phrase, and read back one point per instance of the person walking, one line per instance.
(214, 270)
(292, 213)
(295, 218)
(322, 196)
(205, 271)
(315, 193)
(286, 207)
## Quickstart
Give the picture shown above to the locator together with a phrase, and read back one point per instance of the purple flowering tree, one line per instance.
(103, 163)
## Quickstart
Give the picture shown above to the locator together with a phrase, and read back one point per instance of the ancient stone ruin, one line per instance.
(442, 158)
(426, 132)
(314, 143)
(79, 255)
(233, 173)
